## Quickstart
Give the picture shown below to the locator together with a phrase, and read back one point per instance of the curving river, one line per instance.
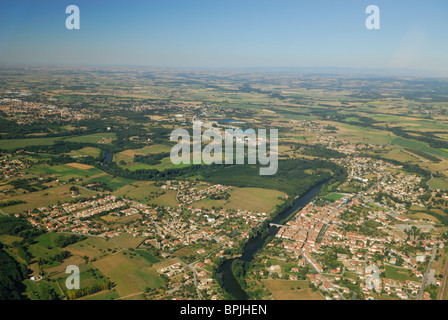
(230, 283)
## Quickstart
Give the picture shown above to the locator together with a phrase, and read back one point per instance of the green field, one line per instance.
(399, 274)
(65, 172)
(334, 196)
(438, 183)
(419, 145)
(132, 274)
(252, 199)
(22, 143)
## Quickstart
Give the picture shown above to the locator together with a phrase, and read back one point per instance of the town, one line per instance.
(356, 209)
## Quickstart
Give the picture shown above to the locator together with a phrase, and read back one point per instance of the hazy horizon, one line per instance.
(229, 35)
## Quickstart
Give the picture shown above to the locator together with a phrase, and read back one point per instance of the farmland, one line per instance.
(22, 143)
(257, 199)
(96, 163)
(43, 198)
(291, 290)
(131, 273)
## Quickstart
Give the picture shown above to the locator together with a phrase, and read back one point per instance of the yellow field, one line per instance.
(93, 247)
(128, 155)
(79, 166)
(127, 241)
(281, 290)
(131, 274)
(253, 199)
(44, 198)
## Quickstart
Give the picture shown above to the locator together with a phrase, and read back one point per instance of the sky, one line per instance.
(227, 33)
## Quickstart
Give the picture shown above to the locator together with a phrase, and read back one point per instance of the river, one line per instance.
(230, 283)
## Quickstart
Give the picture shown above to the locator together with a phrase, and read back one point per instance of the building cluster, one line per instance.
(344, 223)
(193, 194)
(78, 217)
(24, 112)
(11, 167)
(171, 227)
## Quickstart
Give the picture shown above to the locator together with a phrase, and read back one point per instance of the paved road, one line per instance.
(131, 295)
(425, 276)
(356, 197)
(443, 285)
(190, 266)
(315, 269)
(193, 269)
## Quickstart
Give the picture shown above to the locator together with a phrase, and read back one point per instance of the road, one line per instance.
(443, 285)
(192, 268)
(131, 295)
(425, 276)
(317, 270)
(356, 197)
(60, 289)
(198, 292)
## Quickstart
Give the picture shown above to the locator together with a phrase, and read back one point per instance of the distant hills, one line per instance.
(352, 71)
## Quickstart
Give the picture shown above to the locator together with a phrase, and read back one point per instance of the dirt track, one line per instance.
(443, 285)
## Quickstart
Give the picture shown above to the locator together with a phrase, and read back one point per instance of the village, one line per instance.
(368, 226)
(349, 238)
(32, 112)
(165, 229)
(10, 167)
(173, 226)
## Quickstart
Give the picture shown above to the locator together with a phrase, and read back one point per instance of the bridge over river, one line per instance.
(276, 225)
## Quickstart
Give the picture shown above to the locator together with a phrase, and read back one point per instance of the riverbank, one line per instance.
(229, 281)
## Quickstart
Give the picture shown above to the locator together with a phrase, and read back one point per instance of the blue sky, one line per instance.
(227, 33)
